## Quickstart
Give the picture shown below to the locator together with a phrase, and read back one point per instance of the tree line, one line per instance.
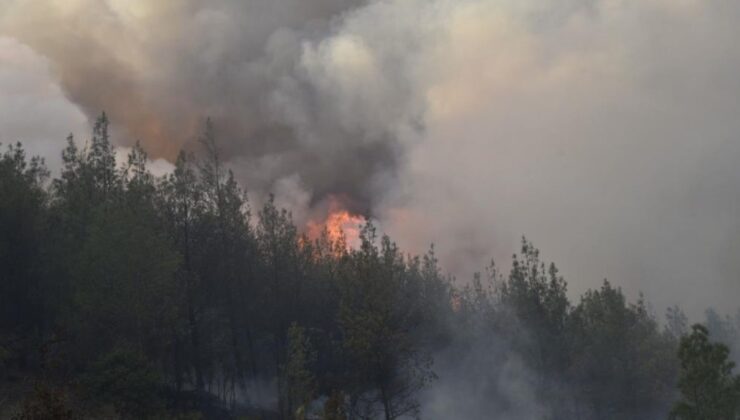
(125, 295)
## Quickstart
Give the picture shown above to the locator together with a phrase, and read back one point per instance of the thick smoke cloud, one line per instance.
(605, 130)
(159, 68)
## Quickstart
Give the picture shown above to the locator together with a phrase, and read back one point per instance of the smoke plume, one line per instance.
(287, 102)
(605, 130)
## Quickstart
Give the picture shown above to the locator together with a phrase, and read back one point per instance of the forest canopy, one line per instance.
(125, 295)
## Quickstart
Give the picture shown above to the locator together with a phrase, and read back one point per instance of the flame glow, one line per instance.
(340, 226)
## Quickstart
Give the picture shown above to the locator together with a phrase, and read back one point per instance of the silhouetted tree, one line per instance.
(127, 295)
(709, 389)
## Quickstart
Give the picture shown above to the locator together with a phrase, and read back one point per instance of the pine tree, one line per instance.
(299, 381)
(708, 387)
(378, 312)
(24, 312)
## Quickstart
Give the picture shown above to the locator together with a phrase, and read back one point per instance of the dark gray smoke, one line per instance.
(604, 130)
(286, 103)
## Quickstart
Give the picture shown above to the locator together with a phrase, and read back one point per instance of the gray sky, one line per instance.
(606, 131)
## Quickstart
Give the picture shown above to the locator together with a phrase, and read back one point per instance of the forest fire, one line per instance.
(340, 225)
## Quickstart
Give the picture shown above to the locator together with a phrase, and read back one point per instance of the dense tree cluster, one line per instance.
(710, 391)
(124, 295)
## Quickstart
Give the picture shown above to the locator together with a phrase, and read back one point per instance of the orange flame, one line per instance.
(340, 226)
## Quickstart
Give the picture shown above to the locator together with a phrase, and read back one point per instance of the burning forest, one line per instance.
(307, 209)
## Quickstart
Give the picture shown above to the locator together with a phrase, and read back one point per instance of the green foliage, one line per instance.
(124, 380)
(709, 389)
(536, 295)
(379, 309)
(124, 277)
(133, 296)
(623, 366)
(299, 380)
(22, 222)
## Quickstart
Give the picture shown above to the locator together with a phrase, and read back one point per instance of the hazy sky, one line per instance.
(606, 131)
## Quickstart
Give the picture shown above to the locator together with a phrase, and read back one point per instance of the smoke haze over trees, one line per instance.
(133, 296)
(605, 129)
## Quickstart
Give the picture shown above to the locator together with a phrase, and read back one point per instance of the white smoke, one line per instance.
(605, 130)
